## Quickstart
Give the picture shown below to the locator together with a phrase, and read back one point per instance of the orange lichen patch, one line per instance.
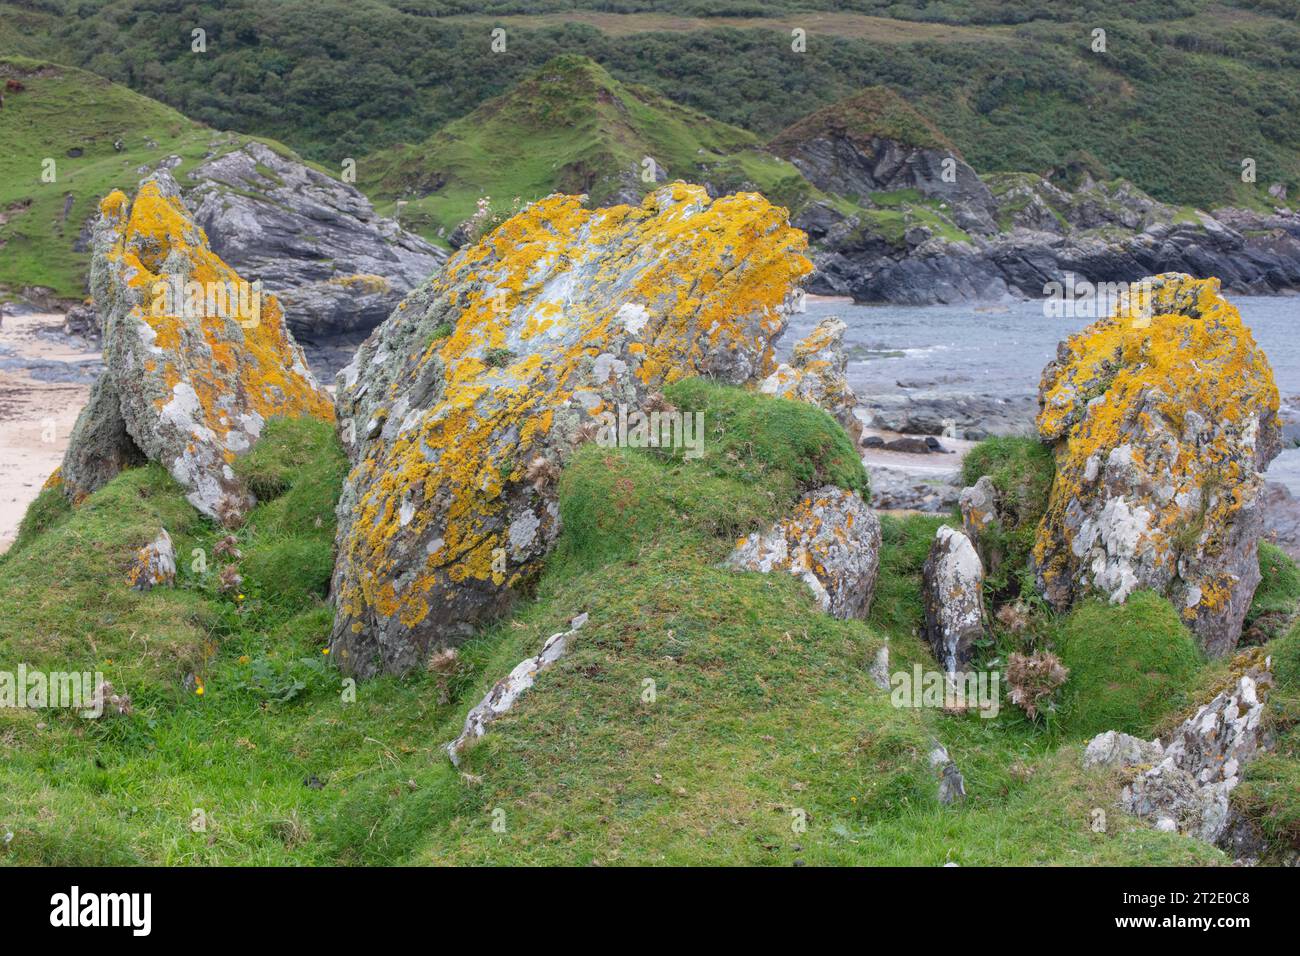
(1174, 383)
(54, 481)
(708, 277)
(230, 344)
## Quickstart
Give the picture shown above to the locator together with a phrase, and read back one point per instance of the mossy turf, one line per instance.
(703, 716)
(1130, 664)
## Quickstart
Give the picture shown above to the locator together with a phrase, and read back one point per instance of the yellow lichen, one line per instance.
(241, 351)
(1174, 346)
(711, 273)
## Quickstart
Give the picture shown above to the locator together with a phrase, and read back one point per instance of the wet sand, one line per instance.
(45, 379)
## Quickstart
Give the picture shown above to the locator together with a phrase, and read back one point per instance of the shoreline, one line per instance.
(45, 379)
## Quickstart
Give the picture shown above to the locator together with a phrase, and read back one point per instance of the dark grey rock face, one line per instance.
(1022, 235)
(849, 166)
(318, 244)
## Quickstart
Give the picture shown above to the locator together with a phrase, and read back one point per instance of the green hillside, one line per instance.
(569, 128)
(1182, 94)
(98, 135)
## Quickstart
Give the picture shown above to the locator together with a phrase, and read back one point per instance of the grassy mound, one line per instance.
(570, 128)
(703, 716)
(1130, 664)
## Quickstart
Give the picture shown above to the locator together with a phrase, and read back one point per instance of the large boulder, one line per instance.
(195, 360)
(831, 542)
(459, 411)
(1161, 418)
(952, 586)
(335, 264)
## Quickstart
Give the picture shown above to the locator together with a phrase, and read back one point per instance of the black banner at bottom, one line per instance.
(331, 906)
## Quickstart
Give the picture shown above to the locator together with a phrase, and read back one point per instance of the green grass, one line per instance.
(762, 711)
(1130, 665)
(1270, 791)
(1273, 606)
(1022, 470)
(570, 128)
(117, 131)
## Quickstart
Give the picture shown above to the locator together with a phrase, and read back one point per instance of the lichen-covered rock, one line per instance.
(1116, 749)
(1188, 789)
(459, 411)
(195, 360)
(510, 688)
(980, 520)
(817, 374)
(316, 243)
(1161, 418)
(154, 564)
(831, 542)
(952, 583)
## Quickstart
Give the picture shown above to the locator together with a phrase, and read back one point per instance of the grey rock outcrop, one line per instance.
(831, 542)
(315, 242)
(952, 588)
(505, 692)
(1042, 240)
(1115, 749)
(1188, 790)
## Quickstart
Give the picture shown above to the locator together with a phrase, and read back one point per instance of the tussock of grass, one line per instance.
(1130, 664)
(788, 447)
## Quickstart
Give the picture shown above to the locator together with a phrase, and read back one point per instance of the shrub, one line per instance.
(1130, 664)
(1033, 680)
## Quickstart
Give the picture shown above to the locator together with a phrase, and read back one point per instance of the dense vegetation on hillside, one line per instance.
(1184, 92)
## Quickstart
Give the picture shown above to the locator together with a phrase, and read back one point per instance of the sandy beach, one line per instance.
(45, 380)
